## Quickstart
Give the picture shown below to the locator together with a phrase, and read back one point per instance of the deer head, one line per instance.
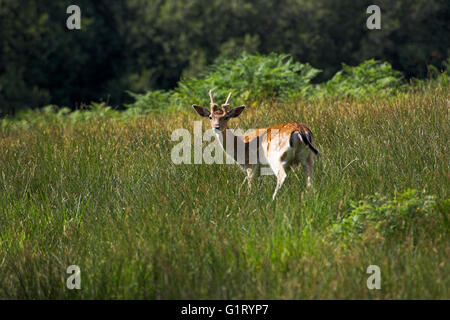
(219, 116)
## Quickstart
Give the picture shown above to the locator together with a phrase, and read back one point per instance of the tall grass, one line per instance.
(103, 194)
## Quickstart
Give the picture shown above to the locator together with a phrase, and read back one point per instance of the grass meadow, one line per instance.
(102, 193)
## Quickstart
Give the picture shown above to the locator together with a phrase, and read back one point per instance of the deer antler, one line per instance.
(228, 99)
(227, 103)
(211, 97)
(212, 103)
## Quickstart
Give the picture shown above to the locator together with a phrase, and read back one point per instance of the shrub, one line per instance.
(151, 101)
(249, 77)
(369, 78)
(386, 216)
(257, 77)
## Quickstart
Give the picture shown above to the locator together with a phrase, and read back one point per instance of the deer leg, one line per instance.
(308, 167)
(243, 182)
(281, 176)
(249, 177)
(246, 179)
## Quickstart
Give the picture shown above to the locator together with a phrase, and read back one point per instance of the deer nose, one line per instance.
(217, 127)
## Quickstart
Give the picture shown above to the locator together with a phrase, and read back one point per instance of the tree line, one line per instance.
(139, 45)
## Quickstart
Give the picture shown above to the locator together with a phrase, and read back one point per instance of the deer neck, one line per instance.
(230, 142)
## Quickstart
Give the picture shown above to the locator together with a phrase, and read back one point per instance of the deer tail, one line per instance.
(307, 139)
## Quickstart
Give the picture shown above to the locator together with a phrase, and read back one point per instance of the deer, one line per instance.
(281, 147)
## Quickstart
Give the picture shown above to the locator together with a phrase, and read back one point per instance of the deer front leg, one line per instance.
(250, 175)
(248, 178)
(243, 182)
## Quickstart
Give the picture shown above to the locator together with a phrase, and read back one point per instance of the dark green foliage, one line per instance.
(42, 62)
(405, 213)
(140, 45)
(249, 77)
(370, 77)
(252, 79)
(151, 101)
(255, 78)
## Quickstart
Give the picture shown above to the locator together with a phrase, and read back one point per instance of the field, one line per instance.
(102, 193)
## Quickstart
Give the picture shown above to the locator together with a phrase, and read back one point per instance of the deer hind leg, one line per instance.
(281, 176)
(308, 167)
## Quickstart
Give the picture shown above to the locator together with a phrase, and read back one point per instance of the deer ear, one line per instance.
(235, 112)
(201, 111)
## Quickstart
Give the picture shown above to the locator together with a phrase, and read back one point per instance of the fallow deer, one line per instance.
(281, 146)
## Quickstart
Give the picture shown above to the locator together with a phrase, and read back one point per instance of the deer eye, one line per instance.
(210, 117)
